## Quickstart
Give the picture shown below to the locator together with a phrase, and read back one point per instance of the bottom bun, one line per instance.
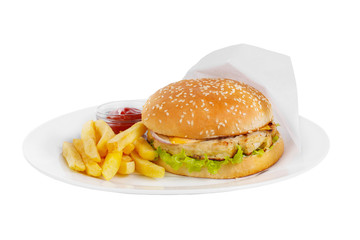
(250, 165)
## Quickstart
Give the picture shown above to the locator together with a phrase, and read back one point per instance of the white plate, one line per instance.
(42, 149)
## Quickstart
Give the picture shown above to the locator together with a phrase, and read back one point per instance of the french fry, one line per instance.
(97, 135)
(121, 140)
(111, 165)
(144, 149)
(126, 167)
(72, 157)
(88, 130)
(91, 150)
(92, 168)
(101, 126)
(147, 168)
(129, 148)
(126, 158)
(105, 132)
(88, 137)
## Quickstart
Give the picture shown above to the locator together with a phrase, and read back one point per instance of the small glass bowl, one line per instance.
(109, 112)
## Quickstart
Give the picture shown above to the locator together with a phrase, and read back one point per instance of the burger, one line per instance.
(212, 128)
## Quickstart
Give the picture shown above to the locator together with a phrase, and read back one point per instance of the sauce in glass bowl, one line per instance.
(120, 115)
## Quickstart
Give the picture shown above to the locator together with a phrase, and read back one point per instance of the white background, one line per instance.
(60, 56)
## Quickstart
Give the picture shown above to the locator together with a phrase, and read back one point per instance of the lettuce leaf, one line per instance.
(195, 165)
(212, 166)
(275, 138)
(259, 152)
(173, 161)
(238, 157)
(151, 142)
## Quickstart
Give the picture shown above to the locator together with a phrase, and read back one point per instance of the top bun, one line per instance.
(206, 108)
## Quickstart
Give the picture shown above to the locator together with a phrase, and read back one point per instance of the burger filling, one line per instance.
(212, 153)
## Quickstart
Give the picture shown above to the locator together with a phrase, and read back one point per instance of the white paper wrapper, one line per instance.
(269, 72)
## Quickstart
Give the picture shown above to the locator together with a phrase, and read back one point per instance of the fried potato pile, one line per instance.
(99, 152)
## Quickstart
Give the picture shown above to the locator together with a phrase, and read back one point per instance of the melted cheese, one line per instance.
(267, 127)
(178, 140)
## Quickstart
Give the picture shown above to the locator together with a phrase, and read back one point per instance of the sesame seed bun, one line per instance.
(250, 165)
(206, 108)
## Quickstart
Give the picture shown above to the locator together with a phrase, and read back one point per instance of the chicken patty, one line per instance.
(219, 148)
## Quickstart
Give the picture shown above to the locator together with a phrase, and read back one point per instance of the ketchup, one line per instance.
(123, 118)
